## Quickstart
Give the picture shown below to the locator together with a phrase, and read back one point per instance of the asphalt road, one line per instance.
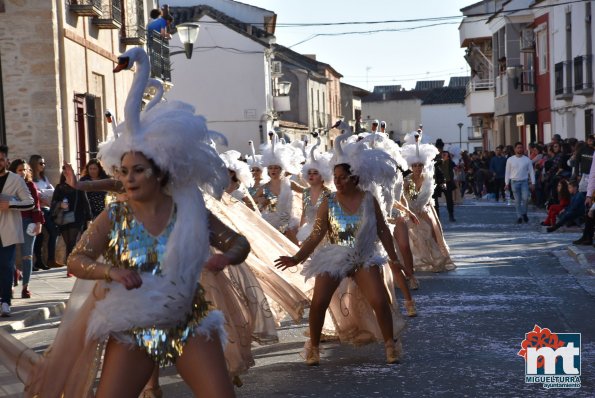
(471, 323)
(464, 342)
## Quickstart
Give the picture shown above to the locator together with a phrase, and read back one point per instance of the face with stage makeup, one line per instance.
(314, 178)
(274, 172)
(140, 177)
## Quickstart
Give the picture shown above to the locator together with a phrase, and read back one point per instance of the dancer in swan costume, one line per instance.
(398, 212)
(142, 296)
(318, 173)
(352, 221)
(259, 172)
(275, 198)
(241, 178)
(430, 251)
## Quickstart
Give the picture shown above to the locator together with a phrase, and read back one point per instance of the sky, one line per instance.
(385, 58)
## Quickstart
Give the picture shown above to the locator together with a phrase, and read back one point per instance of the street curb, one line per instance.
(580, 257)
(36, 316)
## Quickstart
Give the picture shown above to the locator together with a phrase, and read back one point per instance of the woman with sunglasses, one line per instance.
(46, 191)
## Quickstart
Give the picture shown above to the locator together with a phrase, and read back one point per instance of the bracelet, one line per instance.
(106, 275)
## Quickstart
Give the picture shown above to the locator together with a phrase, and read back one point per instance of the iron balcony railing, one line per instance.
(111, 15)
(583, 73)
(90, 8)
(159, 56)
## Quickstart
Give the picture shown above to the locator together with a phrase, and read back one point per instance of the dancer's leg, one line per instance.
(370, 282)
(401, 235)
(324, 287)
(125, 371)
(202, 366)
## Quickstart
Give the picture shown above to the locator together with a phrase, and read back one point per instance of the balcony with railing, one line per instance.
(583, 74)
(474, 133)
(479, 96)
(159, 56)
(563, 80)
(514, 92)
(85, 8)
(111, 15)
(133, 28)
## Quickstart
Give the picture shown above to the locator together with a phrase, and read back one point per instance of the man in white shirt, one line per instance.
(519, 178)
(14, 198)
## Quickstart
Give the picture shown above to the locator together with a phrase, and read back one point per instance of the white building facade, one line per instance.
(228, 79)
(571, 62)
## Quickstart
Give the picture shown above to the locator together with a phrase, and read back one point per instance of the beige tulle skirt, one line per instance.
(429, 249)
(285, 289)
(353, 317)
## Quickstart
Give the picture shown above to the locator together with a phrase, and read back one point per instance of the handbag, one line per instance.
(62, 217)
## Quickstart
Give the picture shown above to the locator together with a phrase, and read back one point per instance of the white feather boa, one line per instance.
(425, 194)
(338, 261)
(304, 231)
(162, 300)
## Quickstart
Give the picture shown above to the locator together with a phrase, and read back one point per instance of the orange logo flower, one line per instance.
(538, 338)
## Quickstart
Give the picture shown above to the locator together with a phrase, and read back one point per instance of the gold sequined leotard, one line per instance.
(411, 193)
(132, 246)
(343, 226)
(271, 198)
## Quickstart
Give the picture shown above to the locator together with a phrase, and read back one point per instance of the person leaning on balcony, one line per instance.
(160, 23)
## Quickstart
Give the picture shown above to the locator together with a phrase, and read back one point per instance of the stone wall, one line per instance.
(28, 42)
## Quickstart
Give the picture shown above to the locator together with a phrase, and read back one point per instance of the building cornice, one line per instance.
(69, 34)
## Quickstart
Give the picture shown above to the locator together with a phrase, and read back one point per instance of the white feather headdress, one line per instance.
(255, 161)
(376, 169)
(287, 157)
(320, 162)
(419, 153)
(232, 161)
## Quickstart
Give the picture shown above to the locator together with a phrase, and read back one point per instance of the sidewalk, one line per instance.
(49, 292)
(578, 260)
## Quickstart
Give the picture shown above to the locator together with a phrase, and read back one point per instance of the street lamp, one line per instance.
(283, 88)
(188, 34)
(460, 124)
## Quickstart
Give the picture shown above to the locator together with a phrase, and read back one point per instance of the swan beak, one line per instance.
(122, 64)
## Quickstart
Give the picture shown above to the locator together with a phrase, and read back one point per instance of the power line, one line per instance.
(371, 31)
(411, 20)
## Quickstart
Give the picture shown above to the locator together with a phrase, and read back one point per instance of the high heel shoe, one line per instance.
(410, 307)
(312, 355)
(155, 392)
(237, 381)
(393, 351)
(413, 283)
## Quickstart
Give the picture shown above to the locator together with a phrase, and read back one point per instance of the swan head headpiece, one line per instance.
(419, 153)
(320, 162)
(169, 133)
(286, 156)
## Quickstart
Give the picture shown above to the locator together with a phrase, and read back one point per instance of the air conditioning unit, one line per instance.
(276, 67)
